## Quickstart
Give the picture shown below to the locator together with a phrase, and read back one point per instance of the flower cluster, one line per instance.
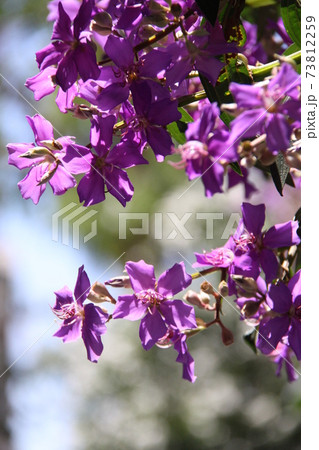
(163, 75)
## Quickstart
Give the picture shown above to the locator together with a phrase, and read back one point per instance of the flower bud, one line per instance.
(250, 308)
(207, 288)
(193, 298)
(223, 288)
(52, 144)
(36, 152)
(248, 284)
(227, 335)
(119, 282)
(99, 294)
(102, 23)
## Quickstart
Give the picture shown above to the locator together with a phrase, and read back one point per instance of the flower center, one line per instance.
(245, 242)
(220, 256)
(150, 297)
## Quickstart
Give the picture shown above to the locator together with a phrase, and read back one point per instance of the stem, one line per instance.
(258, 73)
(202, 273)
(158, 36)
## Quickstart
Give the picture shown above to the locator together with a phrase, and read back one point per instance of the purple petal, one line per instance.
(102, 133)
(173, 280)
(152, 328)
(29, 185)
(82, 286)
(160, 142)
(42, 128)
(42, 83)
(120, 51)
(279, 298)
(85, 60)
(212, 177)
(254, 217)
(63, 297)
(269, 264)
(69, 333)
(91, 188)
(286, 80)
(210, 67)
(119, 185)
(61, 181)
(294, 286)
(247, 96)
(15, 150)
(93, 327)
(64, 100)
(67, 72)
(270, 333)
(77, 159)
(51, 54)
(155, 112)
(129, 307)
(282, 235)
(126, 154)
(294, 337)
(177, 313)
(62, 27)
(248, 124)
(83, 17)
(278, 133)
(154, 62)
(112, 95)
(141, 275)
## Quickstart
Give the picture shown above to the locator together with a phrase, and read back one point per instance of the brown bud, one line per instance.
(99, 294)
(102, 23)
(247, 284)
(223, 288)
(227, 335)
(250, 308)
(119, 282)
(193, 298)
(207, 288)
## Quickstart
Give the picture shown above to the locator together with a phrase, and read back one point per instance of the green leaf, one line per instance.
(177, 129)
(186, 117)
(236, 168)
(279, 171)
(231, 23)
(291, 16)
(250, 339)
(260, 3)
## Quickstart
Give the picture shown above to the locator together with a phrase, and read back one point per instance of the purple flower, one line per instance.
(149, 121)
(282, 356)
(178, 339)
(150, 301)
(206, 150)
(44, 83)
(266, 109)
(72, 51)
(104, 168)
(254, 248)
(86, 321)
(198, 53)
(45, 161)
(127, 71)
(284, 318)
(218, 257)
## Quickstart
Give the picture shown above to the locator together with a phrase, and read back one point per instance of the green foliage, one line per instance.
(291, 16)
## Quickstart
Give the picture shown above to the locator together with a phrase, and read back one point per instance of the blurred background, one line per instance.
(50, 396)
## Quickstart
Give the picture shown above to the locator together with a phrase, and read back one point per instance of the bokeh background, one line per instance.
(52, 397)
